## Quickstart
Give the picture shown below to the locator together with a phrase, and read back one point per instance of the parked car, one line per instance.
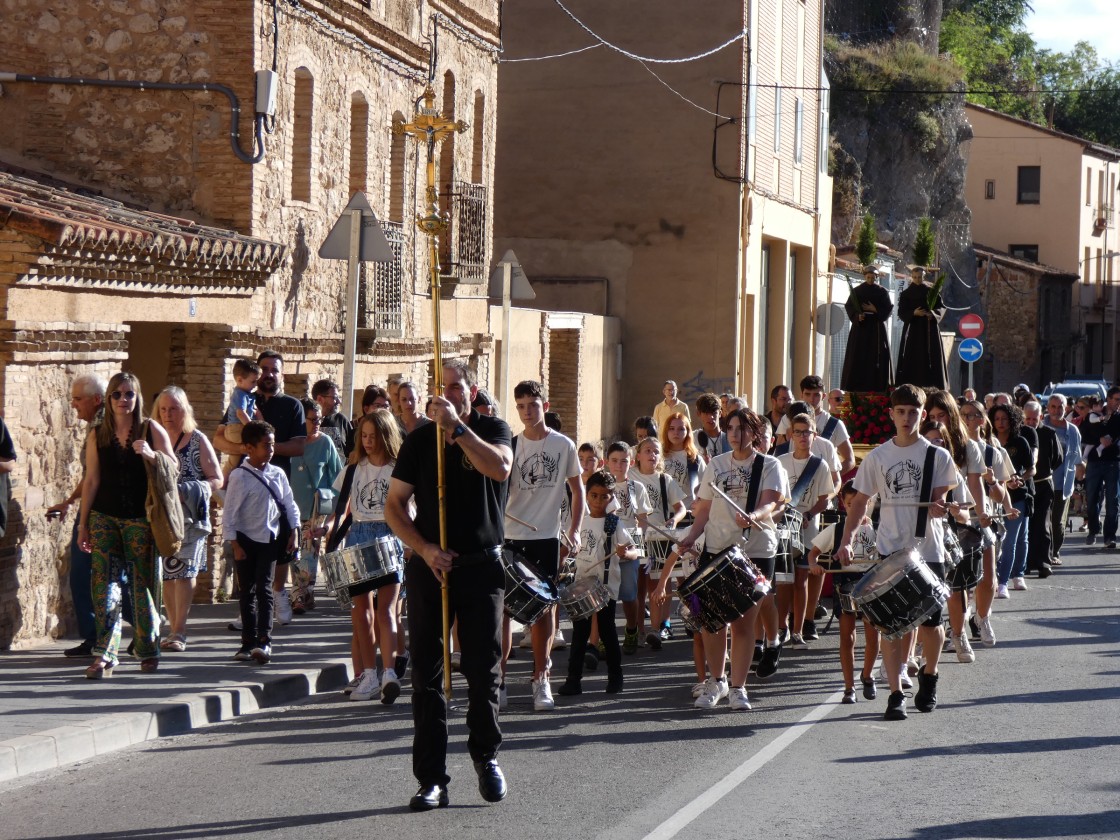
(1073, 388)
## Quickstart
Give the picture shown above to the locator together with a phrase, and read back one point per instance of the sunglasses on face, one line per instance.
(123, 395)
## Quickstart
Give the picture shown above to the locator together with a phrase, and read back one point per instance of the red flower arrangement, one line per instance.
(867, 417)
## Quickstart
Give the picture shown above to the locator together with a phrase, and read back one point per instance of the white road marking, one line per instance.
(672, 826)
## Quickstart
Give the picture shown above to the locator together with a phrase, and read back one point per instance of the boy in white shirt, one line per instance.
(604, 544)
(895, 471)
(632, 506)
(811, 488)
(829, 428)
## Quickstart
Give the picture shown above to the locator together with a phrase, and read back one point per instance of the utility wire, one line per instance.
(555, 55)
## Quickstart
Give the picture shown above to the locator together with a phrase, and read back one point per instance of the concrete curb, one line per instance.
(65, 745)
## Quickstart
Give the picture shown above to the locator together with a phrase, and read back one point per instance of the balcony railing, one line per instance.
(382, 301)
(1103, 216)
(463, 251)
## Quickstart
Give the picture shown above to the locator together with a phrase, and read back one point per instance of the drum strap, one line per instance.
(830, 427)
(927, 492)
(342, 524)
(755, 482)
(838, 533)
(805, 477)
(781, 449)
(664, 497)
(610, 523)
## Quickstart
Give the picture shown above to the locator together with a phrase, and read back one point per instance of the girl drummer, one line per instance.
(722, 523)
(374, 601)
(863, 550)
(667, 501)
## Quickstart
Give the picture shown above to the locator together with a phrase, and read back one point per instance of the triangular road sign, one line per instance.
(374, 247)
(519, 288)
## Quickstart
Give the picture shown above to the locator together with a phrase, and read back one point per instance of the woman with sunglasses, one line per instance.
(113, 524)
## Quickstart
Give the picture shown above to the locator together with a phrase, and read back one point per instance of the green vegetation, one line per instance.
(1005, 70)
(923, 242)
(865, 247)
(871, 73)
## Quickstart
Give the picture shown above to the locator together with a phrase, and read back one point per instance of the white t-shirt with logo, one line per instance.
(590, 560)
(895, 473)
(863, 546)
(733, 478)
(839, 434)
(673, 494)
(537, 482)
(630, 500)
(676, 465)
(820, 484)
(368, 491)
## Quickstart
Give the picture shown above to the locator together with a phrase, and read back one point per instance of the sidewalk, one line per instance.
(51, 716)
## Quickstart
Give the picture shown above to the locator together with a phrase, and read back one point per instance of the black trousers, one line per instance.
(1039, 537)
(476, 593)
(608, 634)
(254, 582)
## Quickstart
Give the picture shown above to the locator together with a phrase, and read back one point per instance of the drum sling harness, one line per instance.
(342, 524)
(927, 492)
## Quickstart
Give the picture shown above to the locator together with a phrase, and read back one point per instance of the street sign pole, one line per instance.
(350, 348)
(507, 282)
(970, 387)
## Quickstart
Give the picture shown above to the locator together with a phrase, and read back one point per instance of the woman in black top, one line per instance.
(113, 524)
(1007, 421)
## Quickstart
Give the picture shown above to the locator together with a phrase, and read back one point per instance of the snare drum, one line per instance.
(970, 568)
(584, 598)
(689, 619)
(789, 534)
(723, 590)
(844, 597)
(900, 593)
(358, 564)
(528, 594)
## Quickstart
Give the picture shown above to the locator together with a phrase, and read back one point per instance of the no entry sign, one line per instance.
(971, 326)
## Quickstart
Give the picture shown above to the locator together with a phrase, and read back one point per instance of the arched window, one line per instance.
(359, 143)
(478, 153)
(396, 174)
(302, 123)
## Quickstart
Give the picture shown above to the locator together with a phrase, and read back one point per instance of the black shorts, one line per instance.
(935, 619)
(373, 584)
(543, 555)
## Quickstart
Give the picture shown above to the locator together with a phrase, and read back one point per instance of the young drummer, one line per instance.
(811, 488)
(863, 548)
(632, 507)
(603, 544)
(722, 526)
(544, 462)
(896, 471)
(667, 502)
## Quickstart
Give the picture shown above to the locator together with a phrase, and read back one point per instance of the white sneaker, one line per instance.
(698, 689)
(526, 640)
(963, 648)
(739, 701)
(797, 642)
(558, 641)
(714, 691)
(904, 679)
(368, 687)
(1001, 592)
(1018, 584)
(987, 635)
(542, 695)
(881, 674)
(390, 687)
(350, 686)
(503, 697)
(283, 607)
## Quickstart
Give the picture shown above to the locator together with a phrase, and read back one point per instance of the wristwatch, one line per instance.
(459, 431)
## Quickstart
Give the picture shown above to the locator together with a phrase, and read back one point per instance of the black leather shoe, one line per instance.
(429, 797)
(83, 650)
(1044, 571)
(491, 782)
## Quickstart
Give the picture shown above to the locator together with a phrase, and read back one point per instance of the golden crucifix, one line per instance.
(432, 128)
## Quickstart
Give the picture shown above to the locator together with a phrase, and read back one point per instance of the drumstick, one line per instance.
(660, 531)
(532, 528)
(731, 502)
(921, 505)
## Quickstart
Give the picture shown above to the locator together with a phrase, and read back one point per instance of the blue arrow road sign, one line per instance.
(970, 350)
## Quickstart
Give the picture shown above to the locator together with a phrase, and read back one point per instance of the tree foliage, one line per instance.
(866, 249)
(1075, 92)
(923, 242)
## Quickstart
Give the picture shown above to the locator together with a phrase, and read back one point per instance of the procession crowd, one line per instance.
(731, 529)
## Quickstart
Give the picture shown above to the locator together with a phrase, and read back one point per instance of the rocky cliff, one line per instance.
(899, 134)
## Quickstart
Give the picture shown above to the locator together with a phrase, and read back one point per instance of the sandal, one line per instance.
(99, 669)
(150, 664)
(175, 642)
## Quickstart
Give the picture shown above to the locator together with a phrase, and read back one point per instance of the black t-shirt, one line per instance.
(475, 504)
(341, 431)
(1019, 452)
(285, 414)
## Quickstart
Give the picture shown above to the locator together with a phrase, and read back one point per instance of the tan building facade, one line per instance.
(1046, 197)
(625, 196)
(188, 257)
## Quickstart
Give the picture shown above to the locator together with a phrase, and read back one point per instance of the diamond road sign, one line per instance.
(970, 350)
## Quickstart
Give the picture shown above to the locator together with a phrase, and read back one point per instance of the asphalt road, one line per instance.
(1022, 745)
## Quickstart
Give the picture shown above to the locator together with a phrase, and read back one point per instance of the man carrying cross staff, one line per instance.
(477, 458)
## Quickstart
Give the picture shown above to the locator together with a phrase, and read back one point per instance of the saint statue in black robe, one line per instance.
(921, 355)
(867, 359)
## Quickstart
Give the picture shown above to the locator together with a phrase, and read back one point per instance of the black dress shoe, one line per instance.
(82, 650)
(491, 782)
(429, 797)
(1044, 571)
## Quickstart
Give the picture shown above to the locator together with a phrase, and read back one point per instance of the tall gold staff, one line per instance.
(432, 127)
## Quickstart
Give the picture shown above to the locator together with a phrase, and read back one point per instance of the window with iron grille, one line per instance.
(383, 303)
(463, 249)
